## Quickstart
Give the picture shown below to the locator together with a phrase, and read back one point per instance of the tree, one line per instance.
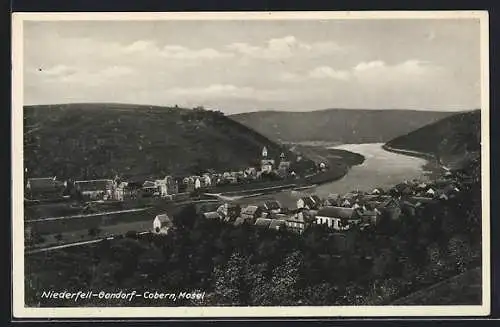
(186, 217)
(285, 280)
(229, 281)
(459, 253)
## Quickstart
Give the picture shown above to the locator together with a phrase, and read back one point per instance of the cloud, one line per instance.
(363, 66)
(58, 70)
(174, 51)
(328, 72)
(284, 48)
(75, 75)
(409, 71)
(371, 72)
(214, 90)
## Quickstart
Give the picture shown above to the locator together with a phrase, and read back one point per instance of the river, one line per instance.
(381, 168)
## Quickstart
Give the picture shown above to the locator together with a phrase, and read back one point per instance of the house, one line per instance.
(308, 203)
(376, 191)
(392, 207)
(296, 223)
(422, 186)
(322, 166)
(450, 191)
(250, 172)
(212, 215)
(370, 213)
(197, 183)
(150, 188)
(403, 189)
(284, 168)
(167, 186)
(206, 180)
(229, 211)
(240, 221)
(188, 184)
(251, 212)
(371, 216)
(277, 224)
(263, 222)
(338, 218)
(410, 207)
(120, 191)
(346, 203)
(44, 187)
(162, 224)
(131, 189)
(332, 200)
(264, 152)
(430, 192)
(316, 199)
(267, 165)
(272, 206)
(97, 189)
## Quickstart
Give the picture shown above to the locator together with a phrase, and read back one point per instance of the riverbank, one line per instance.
(432, 167)
(338, 161)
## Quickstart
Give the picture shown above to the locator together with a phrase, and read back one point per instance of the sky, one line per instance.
(241, 66)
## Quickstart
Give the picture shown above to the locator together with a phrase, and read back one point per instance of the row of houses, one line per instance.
(338, 212)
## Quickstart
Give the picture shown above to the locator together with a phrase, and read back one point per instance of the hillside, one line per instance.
(463, 289)
(451, 139)
(337, 125)
(84, 141)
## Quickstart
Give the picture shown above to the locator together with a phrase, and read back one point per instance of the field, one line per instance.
(77, 229)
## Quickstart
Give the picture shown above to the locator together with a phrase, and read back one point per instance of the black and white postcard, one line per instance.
(260, 164)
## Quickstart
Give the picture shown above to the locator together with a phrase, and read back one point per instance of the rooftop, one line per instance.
(337, 212)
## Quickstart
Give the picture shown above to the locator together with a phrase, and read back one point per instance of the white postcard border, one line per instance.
(19, 309)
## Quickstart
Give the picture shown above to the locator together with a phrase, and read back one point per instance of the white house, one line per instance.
(264, 152)
(166, 186)
(197, 183)
(338, 218)
(431, 192)
(207, 181)
(96, 189)
(162, 224)
(120, 191)
(267, 165)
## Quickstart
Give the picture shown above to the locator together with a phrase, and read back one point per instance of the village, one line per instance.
(168, 187)
(337, 212)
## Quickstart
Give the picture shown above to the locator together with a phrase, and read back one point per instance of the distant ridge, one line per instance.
(338, 125)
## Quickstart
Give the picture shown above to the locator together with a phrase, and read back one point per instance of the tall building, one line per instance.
(264, 152)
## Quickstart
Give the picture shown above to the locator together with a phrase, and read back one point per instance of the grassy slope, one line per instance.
(463, 289)
(455, 140)
(100, 140)
(337, 125)
(450, 138)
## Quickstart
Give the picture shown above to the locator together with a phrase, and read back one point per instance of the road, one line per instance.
(63, 246)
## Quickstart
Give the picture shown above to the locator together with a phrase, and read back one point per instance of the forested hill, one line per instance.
(452, 139)
(338, 125)
(84, 141)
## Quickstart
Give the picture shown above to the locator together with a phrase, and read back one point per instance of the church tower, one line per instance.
(264, 152)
